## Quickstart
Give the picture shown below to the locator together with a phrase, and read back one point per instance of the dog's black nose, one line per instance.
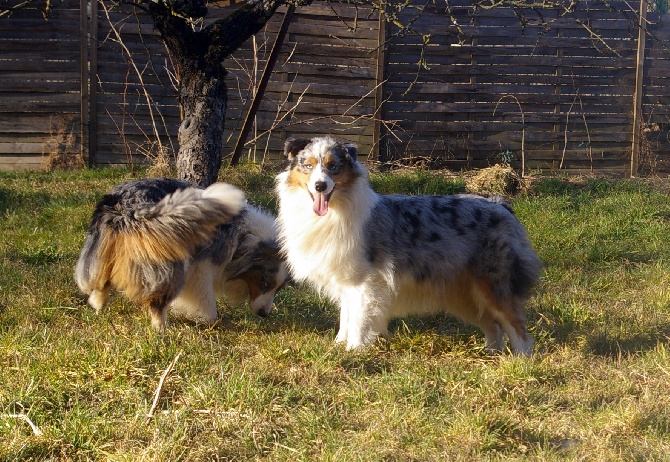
(262, 313)
(320, 186)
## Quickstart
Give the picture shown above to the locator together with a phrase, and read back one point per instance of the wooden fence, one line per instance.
(40, 71)
(97, 84)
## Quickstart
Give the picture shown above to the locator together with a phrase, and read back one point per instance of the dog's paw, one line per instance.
(341, 336)
(354, 347)
(98, 299)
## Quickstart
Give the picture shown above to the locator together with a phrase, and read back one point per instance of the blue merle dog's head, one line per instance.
(321, 166)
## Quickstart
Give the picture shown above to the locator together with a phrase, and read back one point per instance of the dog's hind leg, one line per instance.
(508, 316)
(98, 298)
(157, 307)
(495, 343)
(168, 283)
(464, 298)
(513, 322)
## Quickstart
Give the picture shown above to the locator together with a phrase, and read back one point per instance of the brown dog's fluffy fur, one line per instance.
(148, 238)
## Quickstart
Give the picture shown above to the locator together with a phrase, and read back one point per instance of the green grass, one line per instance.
(279, 389)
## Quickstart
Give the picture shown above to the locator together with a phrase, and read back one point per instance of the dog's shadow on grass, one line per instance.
(298, 310)
(616, 345)
(562, 327)
(433, 335)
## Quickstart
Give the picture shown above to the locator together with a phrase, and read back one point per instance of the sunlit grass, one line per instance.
(279, 389)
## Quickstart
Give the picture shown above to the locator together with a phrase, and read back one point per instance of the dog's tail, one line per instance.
(170, 230)
(173, 228)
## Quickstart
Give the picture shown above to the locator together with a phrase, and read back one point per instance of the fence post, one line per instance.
(88, 27)
(637, 95)
(84, 81)
(93, 84)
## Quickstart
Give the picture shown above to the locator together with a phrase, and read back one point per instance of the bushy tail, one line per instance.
(174, 227)
(127, 238)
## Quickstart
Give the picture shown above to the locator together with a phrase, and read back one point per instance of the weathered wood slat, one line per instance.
(43, 50)
(52, 86)
(334, 30)
(21, 163)
(24, 147)
(330, 70)
(30, 67)
(467, 107)
(355, 41)
(38, 25)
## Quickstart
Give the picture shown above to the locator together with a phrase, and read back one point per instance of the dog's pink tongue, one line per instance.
(320, 204)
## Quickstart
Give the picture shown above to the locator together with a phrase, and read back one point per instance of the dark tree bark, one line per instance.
(202, 89)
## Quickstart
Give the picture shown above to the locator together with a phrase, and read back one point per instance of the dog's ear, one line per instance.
(351, 150)
(292, 146)
(269, 250)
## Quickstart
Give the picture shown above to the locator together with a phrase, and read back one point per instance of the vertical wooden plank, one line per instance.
(558, 88)
(380, 75)
(93, 84)
(84, 80)
(637, 94)
(473, 80)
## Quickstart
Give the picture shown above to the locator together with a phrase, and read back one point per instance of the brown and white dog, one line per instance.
(385, 256)
(170, 245)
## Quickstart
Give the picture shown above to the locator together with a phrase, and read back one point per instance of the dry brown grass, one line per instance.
(62, 149)
(497, 179)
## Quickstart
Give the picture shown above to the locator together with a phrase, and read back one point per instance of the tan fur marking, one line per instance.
(166, 247)
(297, 179)
(122, 274)
(343, 180)
(501, 310)
(460, 298)
(105, 260)
(252, 280)
(331, 159)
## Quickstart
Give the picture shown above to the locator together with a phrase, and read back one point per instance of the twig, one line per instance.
(597, 37)
(278, 117)
(25, 418)
(295, 451)
(565, 132)
(208, 412)
(586, 127)
(149, 100)
(157, 395)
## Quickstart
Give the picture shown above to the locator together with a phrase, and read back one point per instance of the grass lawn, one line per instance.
(275, 389)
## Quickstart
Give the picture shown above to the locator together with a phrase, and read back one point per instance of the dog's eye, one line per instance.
(309, 166)
(332, 167)
(265, 286)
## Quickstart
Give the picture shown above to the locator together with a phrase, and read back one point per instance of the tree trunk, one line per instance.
(202, 89)
(204, 100)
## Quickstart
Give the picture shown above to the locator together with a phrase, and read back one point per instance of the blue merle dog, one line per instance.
(385, 256)
(169, 245)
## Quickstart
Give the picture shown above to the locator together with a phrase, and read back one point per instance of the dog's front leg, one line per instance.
(364, 320)
(344, 325)
(99, 298)
(348, 298)
(197, 301)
